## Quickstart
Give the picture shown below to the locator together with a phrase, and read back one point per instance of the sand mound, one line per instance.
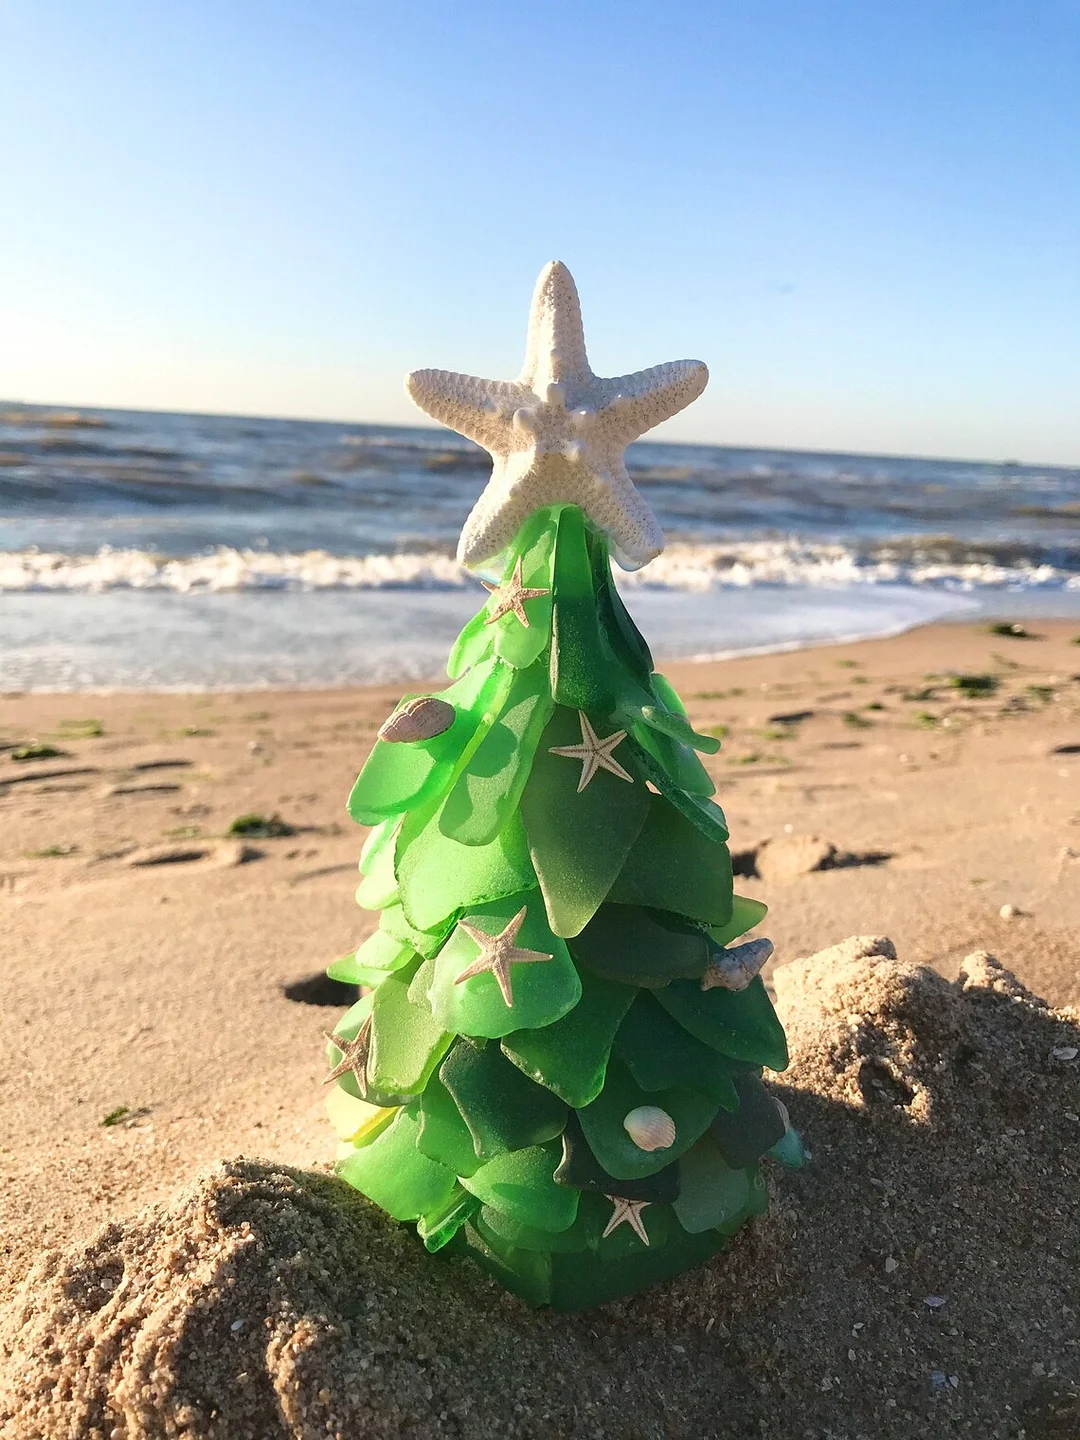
(917, 1279)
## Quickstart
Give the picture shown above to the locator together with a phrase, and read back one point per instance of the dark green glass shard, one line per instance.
(581, 1169)
(626, 640)
(603, 1123)
(407, 1042)
(641, 947)
(488, 790)
(704, 814)
(678, 761)
(438, 876)
(438, 1226)
(744, 1135)
(443, 1134)
(521, 1185)
(540, 990)
(578, 839)
(672, 866)
(392, 1171)
(582, 668)
(400, 776)
(713, 1192)
(425, 942)
(521, 645)
(570, 1056)
(745, 914)
(473, 646)
(525, 1273)
(577, 1281)
(660, 1054)
(675, 724)
(586, 1230)
(503, 1109)
(738, 1023)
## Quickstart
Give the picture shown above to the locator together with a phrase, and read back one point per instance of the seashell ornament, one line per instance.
(650, 1128)
(419, 719)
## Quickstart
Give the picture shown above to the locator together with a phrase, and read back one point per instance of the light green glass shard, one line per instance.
(347, 1028)
(379, 840)
(712, 1193)
(661, 1055)
(678, 761)
(473, 646)
(541, 991)
(738, 1023)
(407, 1042)
(379, 885)
(438, 1226)
(745, 914)
(520, 1185)
(672, 866)
(578, 840)
(602, 1123)
(392, 1171)
(641, 947)
(424, 942)
(583, 672)
(678, 727)
(438, 876)
(704, 814)
(443, 1135)
(400, 776)
(503, 1109)
(489, 788)
(570, 1056)
(373, 961)
(517, 644)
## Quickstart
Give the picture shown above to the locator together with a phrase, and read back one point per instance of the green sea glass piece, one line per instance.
(425, 942)
(401, 776)
(626, 640)
(582, 669)
(392, 1171)
(407, 1041)
(739, 1023)
(488, 790)
(745, 914)
(578, 840)
(438, 1226)
(583, 1234)
(347, 1028)
(438, 876)
(517, 644)
(746, 1134)
(577, 1281)
(660, 1055)
(602, 1123)
(503, 1109)
(525, 1273)
(373, 961)
(378, 887)
(380, 839)
(521, 1186)
(677, 760)
(570, 1055)
(580, 1168)
(713, 1193)
(673, 867)
(541, 990)
(443, 1134)
(473, 646)
(704, 814)
(641, 947)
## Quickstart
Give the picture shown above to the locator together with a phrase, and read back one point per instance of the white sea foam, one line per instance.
(697, 568)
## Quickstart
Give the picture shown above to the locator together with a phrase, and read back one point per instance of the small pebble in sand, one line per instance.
(1010, 912)
(891, 1265)
(1065, 1052)
(934, 1302)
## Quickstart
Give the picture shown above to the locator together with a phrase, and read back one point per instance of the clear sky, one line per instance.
(863, 215)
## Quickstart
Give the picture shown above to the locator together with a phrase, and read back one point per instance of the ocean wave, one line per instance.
(944, 564)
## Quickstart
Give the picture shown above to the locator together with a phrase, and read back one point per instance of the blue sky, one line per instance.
(864, 216)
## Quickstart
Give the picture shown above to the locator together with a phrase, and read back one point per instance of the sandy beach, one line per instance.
(161, 1010)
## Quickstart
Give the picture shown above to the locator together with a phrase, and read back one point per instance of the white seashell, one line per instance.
(650, 1128)
(419, 719)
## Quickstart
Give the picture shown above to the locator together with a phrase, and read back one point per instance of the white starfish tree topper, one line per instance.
(558, 433)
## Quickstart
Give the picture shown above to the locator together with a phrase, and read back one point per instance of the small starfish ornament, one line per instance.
(558, 433)
(627, 1212)
(510, 597)
(594, 753)
(354, 1056)
(498, 953)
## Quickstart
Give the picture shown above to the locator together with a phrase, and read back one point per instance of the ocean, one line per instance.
(170, 551)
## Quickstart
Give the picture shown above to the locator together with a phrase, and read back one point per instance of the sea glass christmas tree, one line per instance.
(556, 1066)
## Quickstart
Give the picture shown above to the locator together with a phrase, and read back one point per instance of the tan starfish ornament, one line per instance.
(498, 953)
(557, 434)
(627, 1212)
(594, 753)
(354, 1056)
(510, 597)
